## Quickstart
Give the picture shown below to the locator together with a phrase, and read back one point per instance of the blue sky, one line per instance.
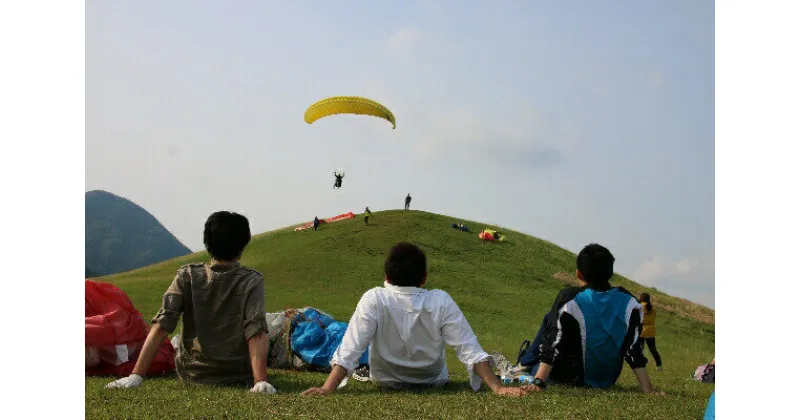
(576, 121)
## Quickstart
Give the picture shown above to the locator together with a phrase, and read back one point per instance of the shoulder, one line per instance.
(568, 293)
(187, 271)
(253, 278)
(371, 298)
(191, 266)
(632, 300)
(438, 299)
(439, 294)
(625, 291)
(373, 294)
(629, 300)
(250, 272)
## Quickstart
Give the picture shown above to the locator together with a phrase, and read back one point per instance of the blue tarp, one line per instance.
(316, 336)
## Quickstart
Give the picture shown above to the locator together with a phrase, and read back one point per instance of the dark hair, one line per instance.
(645, 298)
(596, 264)
(225, 235)
(405, 265)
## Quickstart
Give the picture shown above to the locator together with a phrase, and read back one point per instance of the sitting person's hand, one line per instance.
(131, 381)
(263, 387)
(532, 388)
(316, 391)
(512, 391)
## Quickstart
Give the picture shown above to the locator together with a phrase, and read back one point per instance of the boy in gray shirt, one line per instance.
(224, 338)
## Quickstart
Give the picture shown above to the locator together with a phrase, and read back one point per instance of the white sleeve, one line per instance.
(458, 334)
(359, 333)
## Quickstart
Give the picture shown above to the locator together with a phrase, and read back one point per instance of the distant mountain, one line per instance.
(121, 236)
(90, 274)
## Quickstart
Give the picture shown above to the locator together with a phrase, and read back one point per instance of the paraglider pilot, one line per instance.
(338, 182)
(408, 201)
(316, 222)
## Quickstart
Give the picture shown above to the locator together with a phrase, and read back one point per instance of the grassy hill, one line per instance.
(504, 289)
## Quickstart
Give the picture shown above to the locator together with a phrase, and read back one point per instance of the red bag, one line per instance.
(111, 319)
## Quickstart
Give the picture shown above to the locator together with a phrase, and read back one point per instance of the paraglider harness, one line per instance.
(280, 354)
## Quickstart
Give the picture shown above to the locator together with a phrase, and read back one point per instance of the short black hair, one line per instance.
(596, 264)
(405, 265)
(226, 234)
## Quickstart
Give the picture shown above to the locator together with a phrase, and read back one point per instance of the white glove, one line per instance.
(264, 387)
(130, 382)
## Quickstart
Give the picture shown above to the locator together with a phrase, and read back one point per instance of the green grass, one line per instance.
(504, 289)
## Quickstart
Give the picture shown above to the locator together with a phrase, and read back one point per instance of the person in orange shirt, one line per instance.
(649, 327)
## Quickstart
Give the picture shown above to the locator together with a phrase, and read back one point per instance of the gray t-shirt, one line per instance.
(222, 307)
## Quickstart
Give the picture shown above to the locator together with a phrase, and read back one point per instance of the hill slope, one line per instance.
(504, 289)
(122, 236)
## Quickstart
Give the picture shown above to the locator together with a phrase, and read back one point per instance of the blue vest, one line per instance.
(604, 325)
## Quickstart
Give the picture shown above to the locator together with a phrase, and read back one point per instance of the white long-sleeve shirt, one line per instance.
(406, 329)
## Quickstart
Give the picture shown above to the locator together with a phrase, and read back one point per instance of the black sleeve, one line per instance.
(548, 350)
(632, 346)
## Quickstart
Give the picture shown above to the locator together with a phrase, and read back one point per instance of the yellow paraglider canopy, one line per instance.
(348, 105)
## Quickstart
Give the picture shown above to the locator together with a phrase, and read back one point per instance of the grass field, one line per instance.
(504, 289)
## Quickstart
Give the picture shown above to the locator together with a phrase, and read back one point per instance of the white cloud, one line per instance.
(685, 277)
(404, 41)
(651, 271)
(686, 267)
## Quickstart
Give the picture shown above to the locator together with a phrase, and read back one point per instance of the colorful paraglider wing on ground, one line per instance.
(115, 332)
(343, 216)
(348, 105)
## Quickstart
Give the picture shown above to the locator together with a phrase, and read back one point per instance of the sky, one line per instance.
(576, 122)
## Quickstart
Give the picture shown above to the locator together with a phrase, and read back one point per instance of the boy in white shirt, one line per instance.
(406, 328)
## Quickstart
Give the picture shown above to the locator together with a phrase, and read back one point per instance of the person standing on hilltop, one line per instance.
(224, 335)
(316, 222)
(649, 327)
(408, 201)
(367, 214)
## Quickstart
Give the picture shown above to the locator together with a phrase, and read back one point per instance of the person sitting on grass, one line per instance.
(591, 330)
(224, 338)
(406, 328)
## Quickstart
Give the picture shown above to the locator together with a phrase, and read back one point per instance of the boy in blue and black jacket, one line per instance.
(590, 330)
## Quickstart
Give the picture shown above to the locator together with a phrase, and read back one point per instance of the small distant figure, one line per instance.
(339, 177)
(316, 222)
(460, 226)
(648, 334)
(408, 201)
(367, 213)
